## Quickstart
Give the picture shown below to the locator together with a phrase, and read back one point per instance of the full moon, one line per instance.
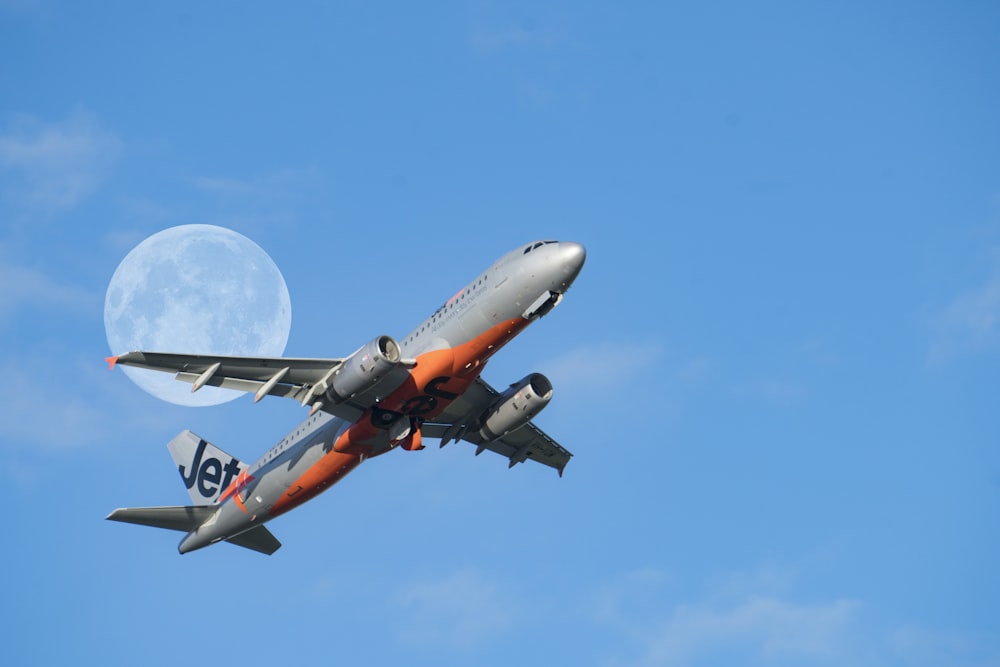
(196, 289)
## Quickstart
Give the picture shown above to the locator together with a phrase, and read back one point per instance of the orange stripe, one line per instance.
(322, 475)
(461, 364)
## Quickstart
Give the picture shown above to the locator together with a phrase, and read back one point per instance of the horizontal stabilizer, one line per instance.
(184, 519)
(187, 519)
(258, 539)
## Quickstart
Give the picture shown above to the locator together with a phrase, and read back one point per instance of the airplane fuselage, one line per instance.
(447, 353)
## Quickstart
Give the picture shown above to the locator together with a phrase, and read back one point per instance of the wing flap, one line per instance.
(526, 443)
(286, 377)
(530, 443)
(240, 384)
(257, 369)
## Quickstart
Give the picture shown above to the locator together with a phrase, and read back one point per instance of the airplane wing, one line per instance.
(296, 378)
(458, 422)
(263, 376)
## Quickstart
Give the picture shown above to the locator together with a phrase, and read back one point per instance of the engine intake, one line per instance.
(364, 368)
(516, 406)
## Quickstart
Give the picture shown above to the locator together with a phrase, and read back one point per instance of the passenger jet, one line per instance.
(387, 394)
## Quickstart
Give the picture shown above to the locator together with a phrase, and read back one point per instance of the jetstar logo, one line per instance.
(424, 403)
(210, 474)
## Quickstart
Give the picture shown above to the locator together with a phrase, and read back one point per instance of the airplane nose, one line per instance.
(571, 258)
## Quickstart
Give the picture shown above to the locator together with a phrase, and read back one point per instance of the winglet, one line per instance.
(111, 362)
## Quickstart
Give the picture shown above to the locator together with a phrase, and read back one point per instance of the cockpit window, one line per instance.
(537, 245)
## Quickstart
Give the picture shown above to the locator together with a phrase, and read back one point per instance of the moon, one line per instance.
(196, 289)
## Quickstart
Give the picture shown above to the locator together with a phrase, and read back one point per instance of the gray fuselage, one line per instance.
(453, 344)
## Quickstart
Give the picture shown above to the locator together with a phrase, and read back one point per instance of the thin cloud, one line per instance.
(22, 6)
(971, 322)
(761, 627)
(264, 199)
(926, 647)
(602, 365)
(516, 36)
(223, 186)
(754, 619)
(976, 312)
(751, 620)
(51, 402)
(22, 287)
(54, 166)
(40, 411)
(461, 611)
(781, 393)
(277, 185)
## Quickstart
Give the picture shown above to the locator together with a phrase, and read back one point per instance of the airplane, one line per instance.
(387, 394)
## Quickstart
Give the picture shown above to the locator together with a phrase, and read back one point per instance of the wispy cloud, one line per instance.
(756, 618)
(977, 311)
(224, 186)
(276, 185)
(21, 286)
(533, 41)
(753, 622)
(53, 401)
(762, 627)
(970, 322)
(39, 409)
(54, 166)
(22, 6)
(606, 365)
(646, 374)
(272, 197)
(926, 647)
(517, 36)
(777, 392)
(460, 611)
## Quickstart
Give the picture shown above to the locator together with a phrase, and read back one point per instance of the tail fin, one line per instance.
(205, 469)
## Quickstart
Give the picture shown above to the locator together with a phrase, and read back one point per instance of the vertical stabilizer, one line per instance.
(206, 470)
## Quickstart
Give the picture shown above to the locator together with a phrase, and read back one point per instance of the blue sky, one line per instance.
(777, 371)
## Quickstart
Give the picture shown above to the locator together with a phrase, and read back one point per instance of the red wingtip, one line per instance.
(111, 362)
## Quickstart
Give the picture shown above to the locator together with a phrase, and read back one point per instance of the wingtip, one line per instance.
(111, 362)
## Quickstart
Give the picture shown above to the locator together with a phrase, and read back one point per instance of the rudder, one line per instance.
(205, 469)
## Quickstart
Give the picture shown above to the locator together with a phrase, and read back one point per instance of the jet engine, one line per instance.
(516, 406)
(364, 368)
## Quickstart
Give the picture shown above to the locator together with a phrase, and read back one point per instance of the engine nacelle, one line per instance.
(517, 406)
(364, 368)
